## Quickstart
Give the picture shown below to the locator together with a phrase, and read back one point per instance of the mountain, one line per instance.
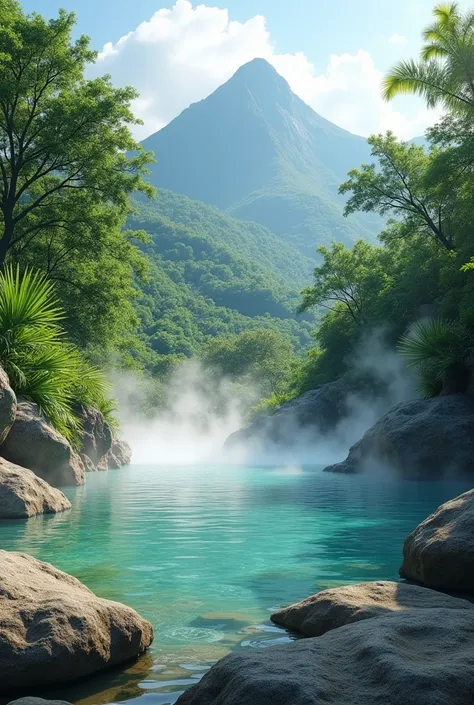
(256, 150)
(211, 274)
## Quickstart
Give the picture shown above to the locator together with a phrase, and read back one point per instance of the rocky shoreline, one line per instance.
(36, 460)
(382, 642)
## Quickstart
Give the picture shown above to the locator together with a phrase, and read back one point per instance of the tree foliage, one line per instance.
(265, 357)
(68, 165)
(42, 366)
(399, 183)
(444, 73)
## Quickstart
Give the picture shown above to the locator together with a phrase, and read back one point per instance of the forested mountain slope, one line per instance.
(256, 150)
(211, 274)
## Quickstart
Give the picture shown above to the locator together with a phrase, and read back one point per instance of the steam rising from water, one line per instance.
(202, 410)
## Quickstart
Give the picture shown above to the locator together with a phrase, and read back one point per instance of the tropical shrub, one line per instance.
(436, 348)
(42, 365)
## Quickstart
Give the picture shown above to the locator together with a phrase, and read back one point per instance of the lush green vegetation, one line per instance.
(423, 267)
(91, 272)
(211, 275)
(68, 166)
(42, 366)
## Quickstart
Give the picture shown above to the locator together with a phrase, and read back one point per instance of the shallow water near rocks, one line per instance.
(208, 553)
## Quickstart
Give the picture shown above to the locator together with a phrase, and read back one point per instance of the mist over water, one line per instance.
(201, 410)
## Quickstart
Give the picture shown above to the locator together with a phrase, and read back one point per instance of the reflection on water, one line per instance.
(207, 553)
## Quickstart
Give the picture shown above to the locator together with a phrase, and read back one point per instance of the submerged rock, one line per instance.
(96, 436)
(53, 629)
(428, 438)
(440, 552)
(8, 404)
(336, 607)
(413, 657)
(23, 494)
(315, 412)
(35, 444)
(120, 454)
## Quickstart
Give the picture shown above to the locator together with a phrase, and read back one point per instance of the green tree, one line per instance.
(349, 278)
(398, 184)
(445, 72)
(265, 357)
(64, 140)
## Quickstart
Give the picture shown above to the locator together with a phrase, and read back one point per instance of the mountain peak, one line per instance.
(257, 150)
(257, 66)
(258, 74)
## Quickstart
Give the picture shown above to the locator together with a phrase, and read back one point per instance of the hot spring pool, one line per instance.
(207, 553)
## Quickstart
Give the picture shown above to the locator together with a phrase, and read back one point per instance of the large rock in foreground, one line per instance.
(23, 494)
(425, 439)
(8, 405)
(440, 552)
(336, 607)
(34, 444)
(53, 629)
(411, 658)
(315, 412)
(37, 701)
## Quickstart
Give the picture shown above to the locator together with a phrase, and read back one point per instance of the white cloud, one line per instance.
(397, 39)
(182, 54)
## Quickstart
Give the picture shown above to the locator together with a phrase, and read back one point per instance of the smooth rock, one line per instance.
(119, 455)
(88, 464)
(422, 439)
(8, 404)
(336, 607)
(314, 412)
(23, 494)
(35, 444)
(96, 435)
(53, 629)
(417, 657)
(440, 552)
(37, 701)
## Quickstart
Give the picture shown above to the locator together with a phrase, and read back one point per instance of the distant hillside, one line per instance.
(257, 151)
(212, 274)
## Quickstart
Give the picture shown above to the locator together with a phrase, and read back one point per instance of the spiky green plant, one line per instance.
(445, 72)
(434, 348)
(42, 366)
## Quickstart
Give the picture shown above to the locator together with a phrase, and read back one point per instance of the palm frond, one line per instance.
(446, 13)
(435, 339)
(41, 365)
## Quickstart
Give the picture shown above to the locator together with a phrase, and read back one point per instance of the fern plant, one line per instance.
(41, 365)
(435, 348)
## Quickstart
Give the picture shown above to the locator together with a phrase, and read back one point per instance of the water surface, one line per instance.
(207, 553)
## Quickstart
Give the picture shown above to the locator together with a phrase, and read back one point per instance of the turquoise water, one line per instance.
(207, 553)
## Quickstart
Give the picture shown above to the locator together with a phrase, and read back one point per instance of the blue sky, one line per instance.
(333, 53)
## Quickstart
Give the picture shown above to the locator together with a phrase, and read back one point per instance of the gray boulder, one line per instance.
(413, 657)
(440, 552)
(37, 701)
(428, 438)
(96, 435)
(315, 412)
(8, 405)
(53, 629)
(119, 455)
(336, 607)
(33, 443)
(23, 494)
